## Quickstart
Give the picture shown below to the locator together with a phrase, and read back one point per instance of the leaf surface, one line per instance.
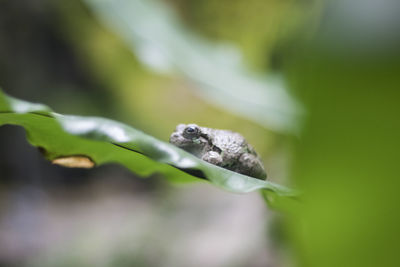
(77, 139)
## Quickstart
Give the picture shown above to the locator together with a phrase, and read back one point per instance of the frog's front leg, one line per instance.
(213, 158)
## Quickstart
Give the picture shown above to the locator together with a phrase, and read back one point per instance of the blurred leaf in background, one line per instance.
(163, 44)
(346, 160)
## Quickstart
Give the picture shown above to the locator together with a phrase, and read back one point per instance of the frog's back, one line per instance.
(237, 154)
(228, 141)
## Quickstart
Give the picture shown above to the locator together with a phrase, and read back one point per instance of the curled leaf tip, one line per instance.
(74, 162)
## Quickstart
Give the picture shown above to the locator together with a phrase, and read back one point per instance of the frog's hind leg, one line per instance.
(251, 165)
(213, 158)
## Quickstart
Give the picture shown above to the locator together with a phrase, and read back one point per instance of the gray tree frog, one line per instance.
(223, 148)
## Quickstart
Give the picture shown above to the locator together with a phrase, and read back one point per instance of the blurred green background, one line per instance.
(312, 85)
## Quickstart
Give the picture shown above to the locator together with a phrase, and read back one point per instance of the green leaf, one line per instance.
(159, 39)
(100, 140)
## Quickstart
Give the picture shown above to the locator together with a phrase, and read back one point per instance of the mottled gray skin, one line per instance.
(219, 147)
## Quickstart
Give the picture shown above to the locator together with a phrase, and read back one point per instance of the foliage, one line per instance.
(162, 43)
(101, 140)
(347, 160)
(345, 155)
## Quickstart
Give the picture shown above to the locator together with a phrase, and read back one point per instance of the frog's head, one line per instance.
(189, 138)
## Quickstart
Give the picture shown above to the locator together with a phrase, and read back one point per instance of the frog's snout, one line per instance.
(174, 138)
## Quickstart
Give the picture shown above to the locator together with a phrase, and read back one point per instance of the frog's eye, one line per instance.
(191, 132)
(190, 129)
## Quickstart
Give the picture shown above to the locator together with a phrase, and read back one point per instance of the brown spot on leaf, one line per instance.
(74, 162)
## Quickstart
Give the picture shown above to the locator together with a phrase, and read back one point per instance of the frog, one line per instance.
(224, 148)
